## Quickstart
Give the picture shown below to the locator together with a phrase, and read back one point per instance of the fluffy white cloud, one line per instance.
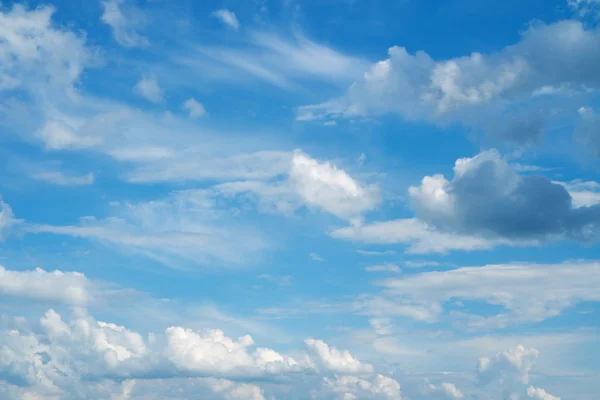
(540, 394)
(34, 53)
(479, 88)
(194, 108)
(57, 286)
(527, 292)
(228, 18)
(512, 365)
(125, 20)
(59, 178)
(211, 352)
(148, 88)
(444, 391)
(325, 186)
(67, 358)
(335, 360)
(312, 183)
(487, 196)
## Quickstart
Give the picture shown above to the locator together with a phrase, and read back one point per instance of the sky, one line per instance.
(285, 199)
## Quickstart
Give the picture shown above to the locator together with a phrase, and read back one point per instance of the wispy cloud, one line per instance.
(285, 62)
(228, 18)
(60, 178)
(184, 230)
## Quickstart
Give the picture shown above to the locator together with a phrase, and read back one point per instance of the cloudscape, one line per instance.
(300, 199)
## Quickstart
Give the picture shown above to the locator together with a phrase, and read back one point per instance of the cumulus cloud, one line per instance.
(324, 186)
(148, 88)
(315, 184)
(194, 108)
(487, 196)
(34, 53)
(478, 88)
(512, 365)
(527, 292)
(211, 352)
(125, 20)
(61, 287)
(335, 360)
(228, 18)
(540, 394)
(104, 360)
(444, 390)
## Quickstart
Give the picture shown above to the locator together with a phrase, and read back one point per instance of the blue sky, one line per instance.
(276, 199)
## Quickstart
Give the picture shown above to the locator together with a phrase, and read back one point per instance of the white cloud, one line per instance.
(444, 391)
(228, 18)
(540, 394)
(583, 194)
(512, 365)
(34, 53)
(211, 352)
(85, 356)
(324, 186)
(488, 197)
(148, 88)
(478, 90)
(58, 135)
(59, 178)
(194, 108)
(312, 183)
(125, 20)
(383, 268)
(337, 361)
(56, 287)
(526, 292)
